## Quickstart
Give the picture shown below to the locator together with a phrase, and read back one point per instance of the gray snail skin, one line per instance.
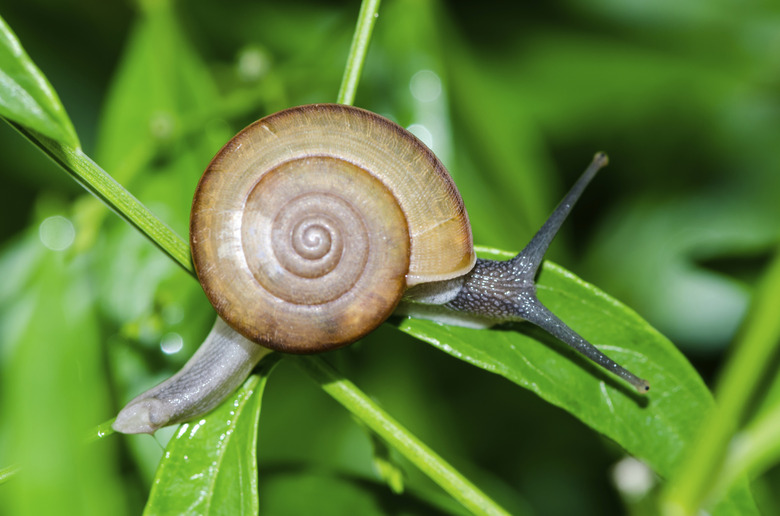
(312, 226)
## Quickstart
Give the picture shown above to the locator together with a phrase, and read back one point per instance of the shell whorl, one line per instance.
(308, 226)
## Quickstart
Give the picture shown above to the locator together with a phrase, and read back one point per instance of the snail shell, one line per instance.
(309, 225)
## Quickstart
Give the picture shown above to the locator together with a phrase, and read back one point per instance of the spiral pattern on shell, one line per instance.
(302, 237)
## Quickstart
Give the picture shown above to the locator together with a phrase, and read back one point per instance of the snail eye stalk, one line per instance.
(506, 291)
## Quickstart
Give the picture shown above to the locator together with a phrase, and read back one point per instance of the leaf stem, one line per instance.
(752, 450)
(691, 487)
(354, 400)
(97, 181)
(369, 11)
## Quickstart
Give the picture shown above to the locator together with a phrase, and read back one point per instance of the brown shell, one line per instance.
(309, 224)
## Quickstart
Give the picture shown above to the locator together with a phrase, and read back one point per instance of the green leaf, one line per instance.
(656, 428)
(26, 97)
(210, 465)
(752, 450)
(737, 390)
(756, 447)
(160, 92)
(52, 386)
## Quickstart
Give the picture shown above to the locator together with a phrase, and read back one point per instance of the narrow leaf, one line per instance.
(656, 428)
(738, 387)
(52, 384)
(160, 87)
(752, 450)
(26, 97)
(210, 465)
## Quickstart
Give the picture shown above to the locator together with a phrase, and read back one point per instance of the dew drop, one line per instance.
(57, 233)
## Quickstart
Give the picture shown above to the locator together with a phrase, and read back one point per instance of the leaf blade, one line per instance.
(210, 465)
(656, 428)
(26, 97)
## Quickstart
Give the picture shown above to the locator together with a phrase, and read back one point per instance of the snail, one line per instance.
(310, 228)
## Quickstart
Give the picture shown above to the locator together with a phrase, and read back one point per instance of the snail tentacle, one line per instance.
(220, 365)
(534, 251)
(505, 292)
(495, 292)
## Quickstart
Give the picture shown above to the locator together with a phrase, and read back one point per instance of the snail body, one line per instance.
(310, 227)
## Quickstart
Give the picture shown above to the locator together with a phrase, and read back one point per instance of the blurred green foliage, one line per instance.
(682, 95)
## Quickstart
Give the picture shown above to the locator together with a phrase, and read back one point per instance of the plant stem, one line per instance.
(344, 391)
(89, 175)
(369, 11)
(752, 450)
(354, 400)
(691, 487)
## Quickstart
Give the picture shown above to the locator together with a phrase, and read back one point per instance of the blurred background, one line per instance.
(514, 99)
